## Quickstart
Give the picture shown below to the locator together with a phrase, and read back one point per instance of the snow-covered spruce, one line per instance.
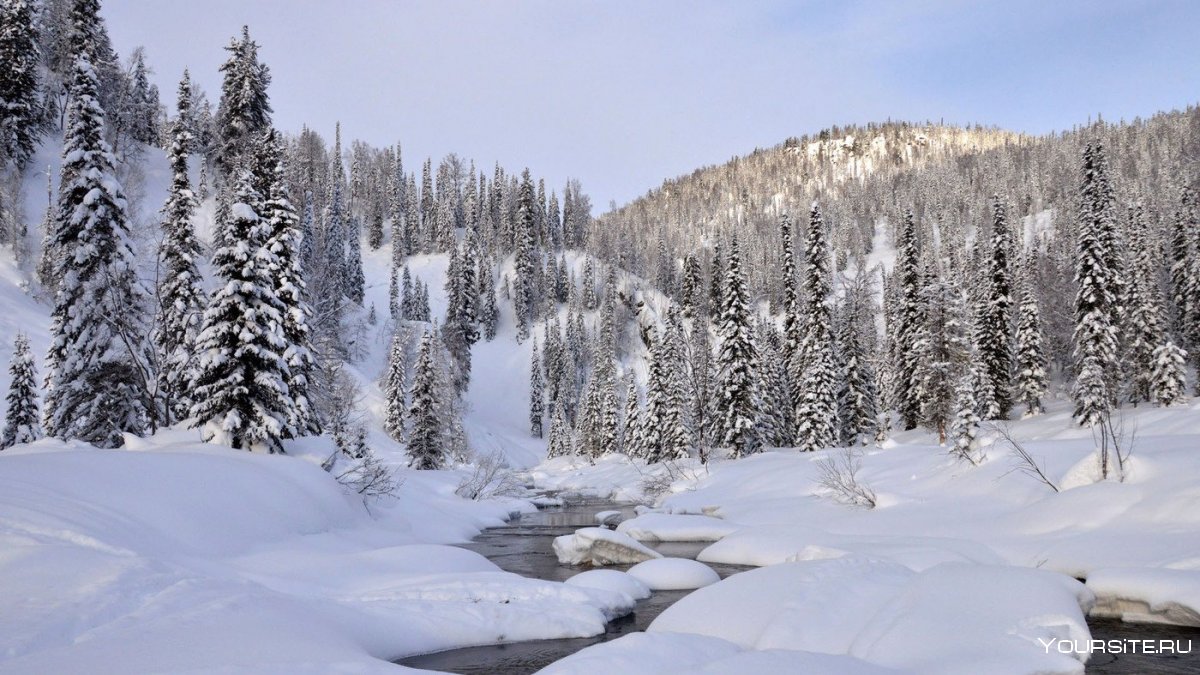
(21, 416)
(737, 365)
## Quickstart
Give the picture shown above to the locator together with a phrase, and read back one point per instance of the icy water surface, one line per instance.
(524, 546)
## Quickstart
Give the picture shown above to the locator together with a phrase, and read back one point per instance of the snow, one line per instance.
(609, 518)
(599, 546)
(665, 527)
(612, 580)
(674, 574)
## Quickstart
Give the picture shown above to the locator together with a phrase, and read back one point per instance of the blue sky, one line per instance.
(623, 94)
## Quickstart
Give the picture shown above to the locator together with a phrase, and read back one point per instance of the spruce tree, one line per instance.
(737, 364)
(21, 111)
(907, 324)
(240, 392)
(489, 313)
(284, 246)
(426, 426)
(523, 292)
(1168, 385)
(965, 429)
(793, 327)
(858, 407)
(460, 331)
(654, 417)
(97, 386)
(354, 279)
(1031, 363)
(1095, 341)
(630, 439)
(942, 350)
(245, 110)
(393, 388)
(181, 297)
(1144, 323)
(537, 394)
(813, 361)
(995, 335)
(21, 417)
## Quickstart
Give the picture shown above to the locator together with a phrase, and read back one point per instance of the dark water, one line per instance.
(1164, 664)
(524, 546)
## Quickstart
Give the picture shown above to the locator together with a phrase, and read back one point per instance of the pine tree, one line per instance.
(21, 418)
(737, 363)
(1031, 363)
(354, 279)
(426, 427)
(460, 331)
(995, 330)
(1095, 335)
(813, 360)
(489, 313)
(654, 417)
(1184, 272)
(793, 327)
(631, 442)
(375, 231)
(537, 395)
(284, 246)
(907, 324)
(1168, 384)
(181, 297)
(21, 110)
(240, 390)
(777, 411)
(942, 350)
(97, 382)
(245, 110)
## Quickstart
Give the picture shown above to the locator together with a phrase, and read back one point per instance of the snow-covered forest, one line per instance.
(263, 382)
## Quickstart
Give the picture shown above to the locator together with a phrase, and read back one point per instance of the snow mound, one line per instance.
(612, 580)
(1147, 595)
(674, 574)
(609, 518)
(670, 527)
(598, 546)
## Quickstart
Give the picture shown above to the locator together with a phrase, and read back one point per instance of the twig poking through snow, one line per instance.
(1026, 464)
(839, 475)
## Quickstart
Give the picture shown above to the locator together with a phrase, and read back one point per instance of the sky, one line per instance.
(624, 94)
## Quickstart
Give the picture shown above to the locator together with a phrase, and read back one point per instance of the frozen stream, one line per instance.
(523, 546)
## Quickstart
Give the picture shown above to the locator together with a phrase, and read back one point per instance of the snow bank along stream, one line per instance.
(526, 546)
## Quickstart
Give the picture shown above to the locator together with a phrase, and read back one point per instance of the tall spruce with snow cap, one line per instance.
(737, 365)
(244, 112)
(1031, 362)
(21, 110)
(858, 407)
(21, 417)
(907, 324)
(817, 410)
(97, 382)
(240, 392)
(181, 297)
(426, 428)
(995, 334)
(1095, 339)
(965, 429)
(285, 245)
(1144, 326)
(393, 388)
(537, 394)
(524, 292)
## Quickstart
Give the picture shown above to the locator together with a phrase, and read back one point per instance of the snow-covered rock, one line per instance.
(599, 546)
(674, 574)
(1147, 595)
(612, 580)
(608, 518)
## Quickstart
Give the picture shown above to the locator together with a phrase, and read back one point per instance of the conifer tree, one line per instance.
(793, 327)
(284, 246)
(941, 352)
(460, 331)
(489, 313)
(21, 110)
(97, 382)
(426, 426)
(240, 392)
(1168, 385)
(537, 394)
(1144, 324)
(1031, 363)
(21, 417)
(965, 429)
(181, 298)
(995, 329)
(777, 411)
(561, 442)
(523, 292)
(907, 324)
(858, 408)
(393, 388)
(244, 113)
(630, 438)
(813, 361)
(1095, 339)
(654, 417)
(737, 364)
(354, 278)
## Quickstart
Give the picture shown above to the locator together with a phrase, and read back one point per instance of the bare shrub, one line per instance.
(838, 475)
(490, 478)
(1024, 462)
